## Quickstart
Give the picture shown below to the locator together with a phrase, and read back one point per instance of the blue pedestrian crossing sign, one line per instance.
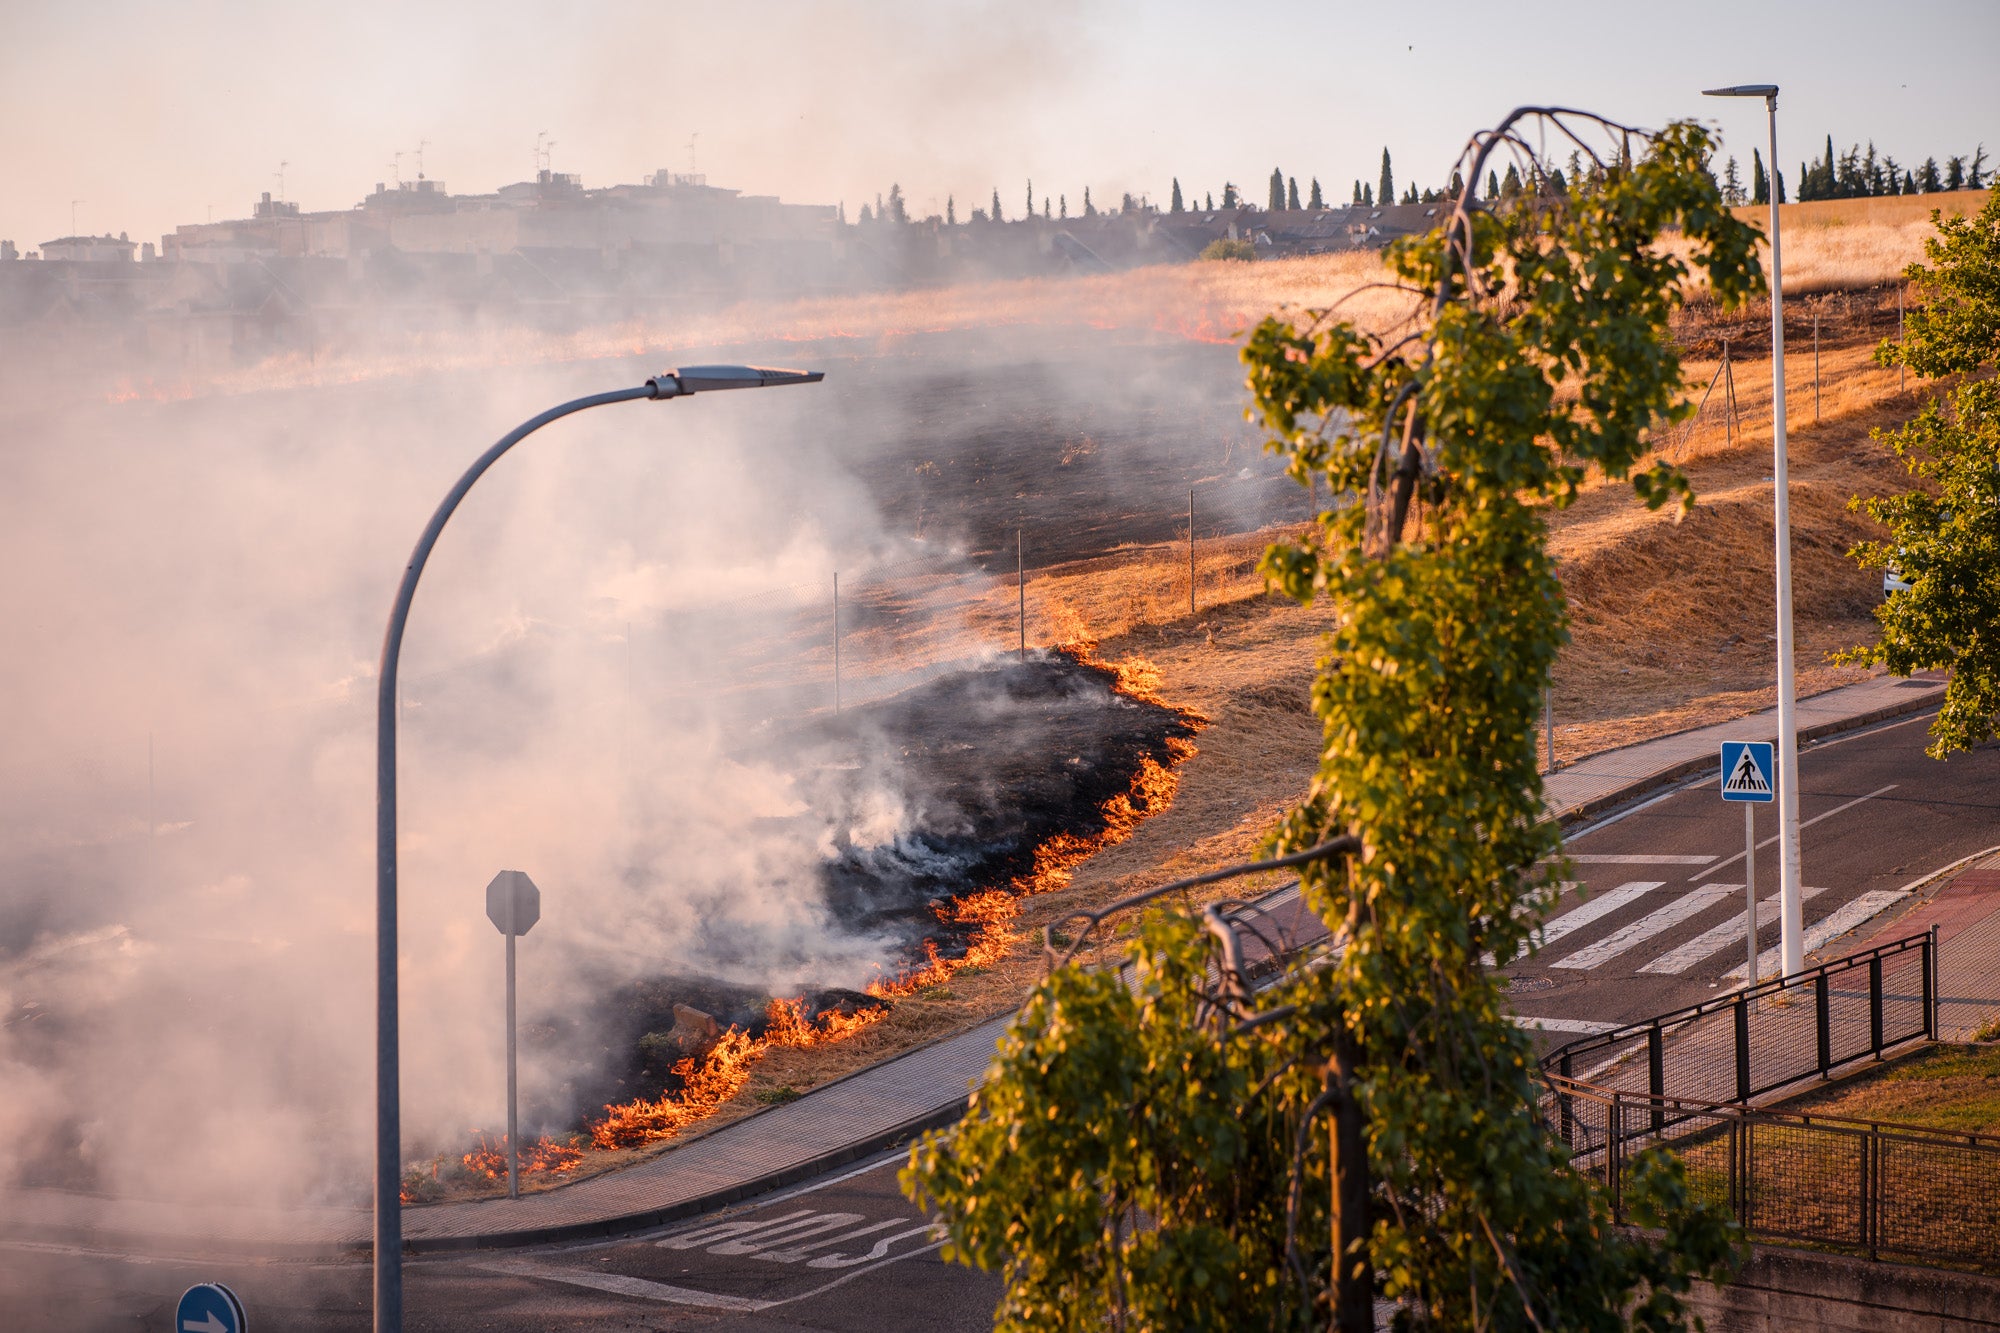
(1748, 769)
(210, 1308)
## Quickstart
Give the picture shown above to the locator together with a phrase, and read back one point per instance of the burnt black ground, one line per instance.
(988, 765)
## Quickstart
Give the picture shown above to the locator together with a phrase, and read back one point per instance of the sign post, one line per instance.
(1746, 777)
(514, 904)
(210, 1307)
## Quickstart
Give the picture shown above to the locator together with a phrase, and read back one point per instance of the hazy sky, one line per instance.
(150, 114)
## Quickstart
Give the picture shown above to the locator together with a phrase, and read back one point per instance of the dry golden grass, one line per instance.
(1838, 244)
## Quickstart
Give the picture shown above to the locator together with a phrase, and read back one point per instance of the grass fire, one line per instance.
(1013, 773)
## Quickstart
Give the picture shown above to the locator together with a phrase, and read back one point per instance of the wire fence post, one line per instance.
(836, 641)
(1191, 552)
(1021, 589)
(1549, 723)
(1729, 394)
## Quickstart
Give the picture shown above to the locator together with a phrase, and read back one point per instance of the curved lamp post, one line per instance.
(1791, 946)
(388, 1089)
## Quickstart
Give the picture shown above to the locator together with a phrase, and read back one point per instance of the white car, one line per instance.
(1893, 581)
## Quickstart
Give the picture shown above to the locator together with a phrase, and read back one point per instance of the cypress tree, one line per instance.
(1031, 196)
(1386, 191)
(1089, 209)
(1760, 184)
(1062, 202)
(1209, 207)
(1175, 206)
(1318, 200)
(1457, 186)
(1230, 199)
(1046, 207)
(1292, 192)
(1492, 184)
(1277, 195)
(1368, 196)
(1357, 192)
(997, 217)
(1778, 178)
(1954, 173)
(950, 211)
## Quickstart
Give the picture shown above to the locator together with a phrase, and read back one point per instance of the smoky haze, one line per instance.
(595, 663)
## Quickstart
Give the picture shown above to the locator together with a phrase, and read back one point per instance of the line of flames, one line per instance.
(712, 1079)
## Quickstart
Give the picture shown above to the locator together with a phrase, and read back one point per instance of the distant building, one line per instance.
(89, 249)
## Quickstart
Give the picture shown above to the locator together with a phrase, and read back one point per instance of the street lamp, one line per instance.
(388, 1091)
(1792, 946)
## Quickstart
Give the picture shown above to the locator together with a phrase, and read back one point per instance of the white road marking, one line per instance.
(1591, 909)
(1603, 905)
(1831, 927)
(1679, 960)
(1582, 1025)
(1687, 905)
(1623, 859)
(621, 1285)
(1804, 824)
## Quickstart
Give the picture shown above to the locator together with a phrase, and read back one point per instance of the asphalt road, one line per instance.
(844, 1254)
(1661, 925)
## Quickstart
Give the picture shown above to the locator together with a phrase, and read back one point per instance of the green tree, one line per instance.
(1175, 205)
(1062, 206)
(1357, 192)
(1224, 248)
(1510, 184)
(1089, 209)
(1386, 191)
(898, 211)
(1928, 179)
(1031, 199)
(1954, 173)
(1492, 185)
(1944, 532)
(1292, 193)
(1760, 183)
(1974, 175)
(1318, 200)
(950, 211)
(997, 216)
(1209, 203)
(1148, 1151)
(1732, 184)
(1230, 199)
(1276, 199)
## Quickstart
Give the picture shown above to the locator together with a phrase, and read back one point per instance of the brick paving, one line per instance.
(885, 1103)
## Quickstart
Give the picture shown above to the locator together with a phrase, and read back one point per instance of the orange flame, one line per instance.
(489, 1159)
(710, 1080)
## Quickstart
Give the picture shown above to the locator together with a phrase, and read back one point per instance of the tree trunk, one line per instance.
(1354, 1274)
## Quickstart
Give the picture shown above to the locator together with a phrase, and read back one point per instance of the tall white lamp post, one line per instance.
(1792, 947)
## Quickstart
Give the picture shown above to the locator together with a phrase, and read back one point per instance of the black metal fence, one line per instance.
(1880, 1190)
(1755, 1041)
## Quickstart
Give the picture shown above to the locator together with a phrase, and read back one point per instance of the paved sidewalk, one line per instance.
(851, 1118)
(1600, 782)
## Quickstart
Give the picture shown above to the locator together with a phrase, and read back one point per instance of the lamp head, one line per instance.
(685, 380)
(1764, 90)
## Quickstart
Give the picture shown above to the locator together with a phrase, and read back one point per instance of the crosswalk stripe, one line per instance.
(1839, 923)
(1603, 905)
(1578, 917)
(1625, 859)
(1587, 1027)
(1687, 905)
(1677, 960)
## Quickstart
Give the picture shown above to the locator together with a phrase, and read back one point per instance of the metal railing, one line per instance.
(1901, 1191)
(1755, 1041)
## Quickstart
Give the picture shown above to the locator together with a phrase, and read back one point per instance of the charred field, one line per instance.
(1007, 775)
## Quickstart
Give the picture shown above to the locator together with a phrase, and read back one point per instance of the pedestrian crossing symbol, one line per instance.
(1747, 768)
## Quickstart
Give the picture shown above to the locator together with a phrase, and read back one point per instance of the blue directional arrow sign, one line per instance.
(1748, 769)
(210, 1308)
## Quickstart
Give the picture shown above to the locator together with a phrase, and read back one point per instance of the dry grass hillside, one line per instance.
(1670, 624)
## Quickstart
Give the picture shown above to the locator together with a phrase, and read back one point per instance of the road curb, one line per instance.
(1667, 777)
(602, 1227)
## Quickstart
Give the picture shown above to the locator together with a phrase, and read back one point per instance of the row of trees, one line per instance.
(1856, 174)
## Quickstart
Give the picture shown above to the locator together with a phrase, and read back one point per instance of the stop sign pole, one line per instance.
(514, 904)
